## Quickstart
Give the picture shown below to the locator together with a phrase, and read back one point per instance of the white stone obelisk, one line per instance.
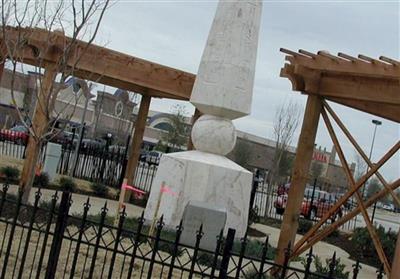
(222, 92)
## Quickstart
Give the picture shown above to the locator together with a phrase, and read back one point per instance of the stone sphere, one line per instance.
(214, 134)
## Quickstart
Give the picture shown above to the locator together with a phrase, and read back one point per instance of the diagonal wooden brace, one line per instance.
(343, 199)
(350, 179)
(360, 151)
(329, 229)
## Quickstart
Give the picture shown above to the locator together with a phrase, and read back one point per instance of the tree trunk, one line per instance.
(40, 123)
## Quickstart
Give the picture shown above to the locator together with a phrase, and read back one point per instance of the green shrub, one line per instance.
(253, 216)
(47, 205)
(304, 226)
(67, 184)
(207, 259)
(254, 248)
(363, 243)
(42, 180)
(323, 269)
(10, 173)
(99, 189)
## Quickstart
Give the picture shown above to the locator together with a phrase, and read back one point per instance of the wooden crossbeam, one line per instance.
(346, 196)
(359, 150)
(329, 229)
(349, 65)
(384, 110)
(375, 239)
(102, 65)
(359, 92)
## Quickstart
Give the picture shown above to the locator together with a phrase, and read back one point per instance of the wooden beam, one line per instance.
(319, 235)
(375, 239)
(93, 61)
(396, 260)
(195, 116)
(387, 111)
(346, 196)
(40, 122)
(136, 145)
(2, 62)
(360, 151)
(299, 176)
(360, 89)
(341, 66)
(357, 92)
(125, 85)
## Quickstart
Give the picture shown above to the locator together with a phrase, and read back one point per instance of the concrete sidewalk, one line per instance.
(78, 201)
(322, 249)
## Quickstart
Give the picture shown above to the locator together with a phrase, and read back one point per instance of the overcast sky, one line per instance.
(174, 33)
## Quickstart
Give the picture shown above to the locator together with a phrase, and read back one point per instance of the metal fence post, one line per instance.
(286, 261)
(226, 255)
(308, 263)
(58, 235)
(220, 238)
(199, 235)
(179, 230)
(11, 236)
(124, 161)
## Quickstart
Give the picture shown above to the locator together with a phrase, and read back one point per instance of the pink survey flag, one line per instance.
(167, 190)
(134, 189)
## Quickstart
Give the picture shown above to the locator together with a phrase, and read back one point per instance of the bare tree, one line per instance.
(361, 166)
(316, 169)
(287, 119)
(31, 33)
(177, 134)
(242, 153)
(361, 169)
(373, 187)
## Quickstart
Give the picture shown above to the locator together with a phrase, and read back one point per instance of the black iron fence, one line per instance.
(107, 165)
(97, 164)
(44, 240)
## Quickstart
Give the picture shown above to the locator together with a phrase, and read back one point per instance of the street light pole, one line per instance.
(376, 123)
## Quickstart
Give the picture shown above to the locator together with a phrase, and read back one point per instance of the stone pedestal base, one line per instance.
(203, 177)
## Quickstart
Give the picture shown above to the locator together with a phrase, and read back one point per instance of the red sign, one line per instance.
(321, 157)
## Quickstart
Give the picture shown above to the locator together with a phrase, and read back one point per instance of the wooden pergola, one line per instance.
(362, 83)
(102, 65)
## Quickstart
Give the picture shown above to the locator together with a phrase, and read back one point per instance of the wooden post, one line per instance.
(136, 145)
(195, 116)
(305, 148)
(396, 260)
(1, 68)
(40, 122)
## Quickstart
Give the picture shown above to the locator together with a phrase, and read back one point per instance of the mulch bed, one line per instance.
(338, 239)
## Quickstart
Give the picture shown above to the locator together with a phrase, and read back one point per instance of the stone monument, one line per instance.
(210, 216)
(222, 92)
(51, 160)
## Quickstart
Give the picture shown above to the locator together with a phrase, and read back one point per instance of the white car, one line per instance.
(389, 207)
